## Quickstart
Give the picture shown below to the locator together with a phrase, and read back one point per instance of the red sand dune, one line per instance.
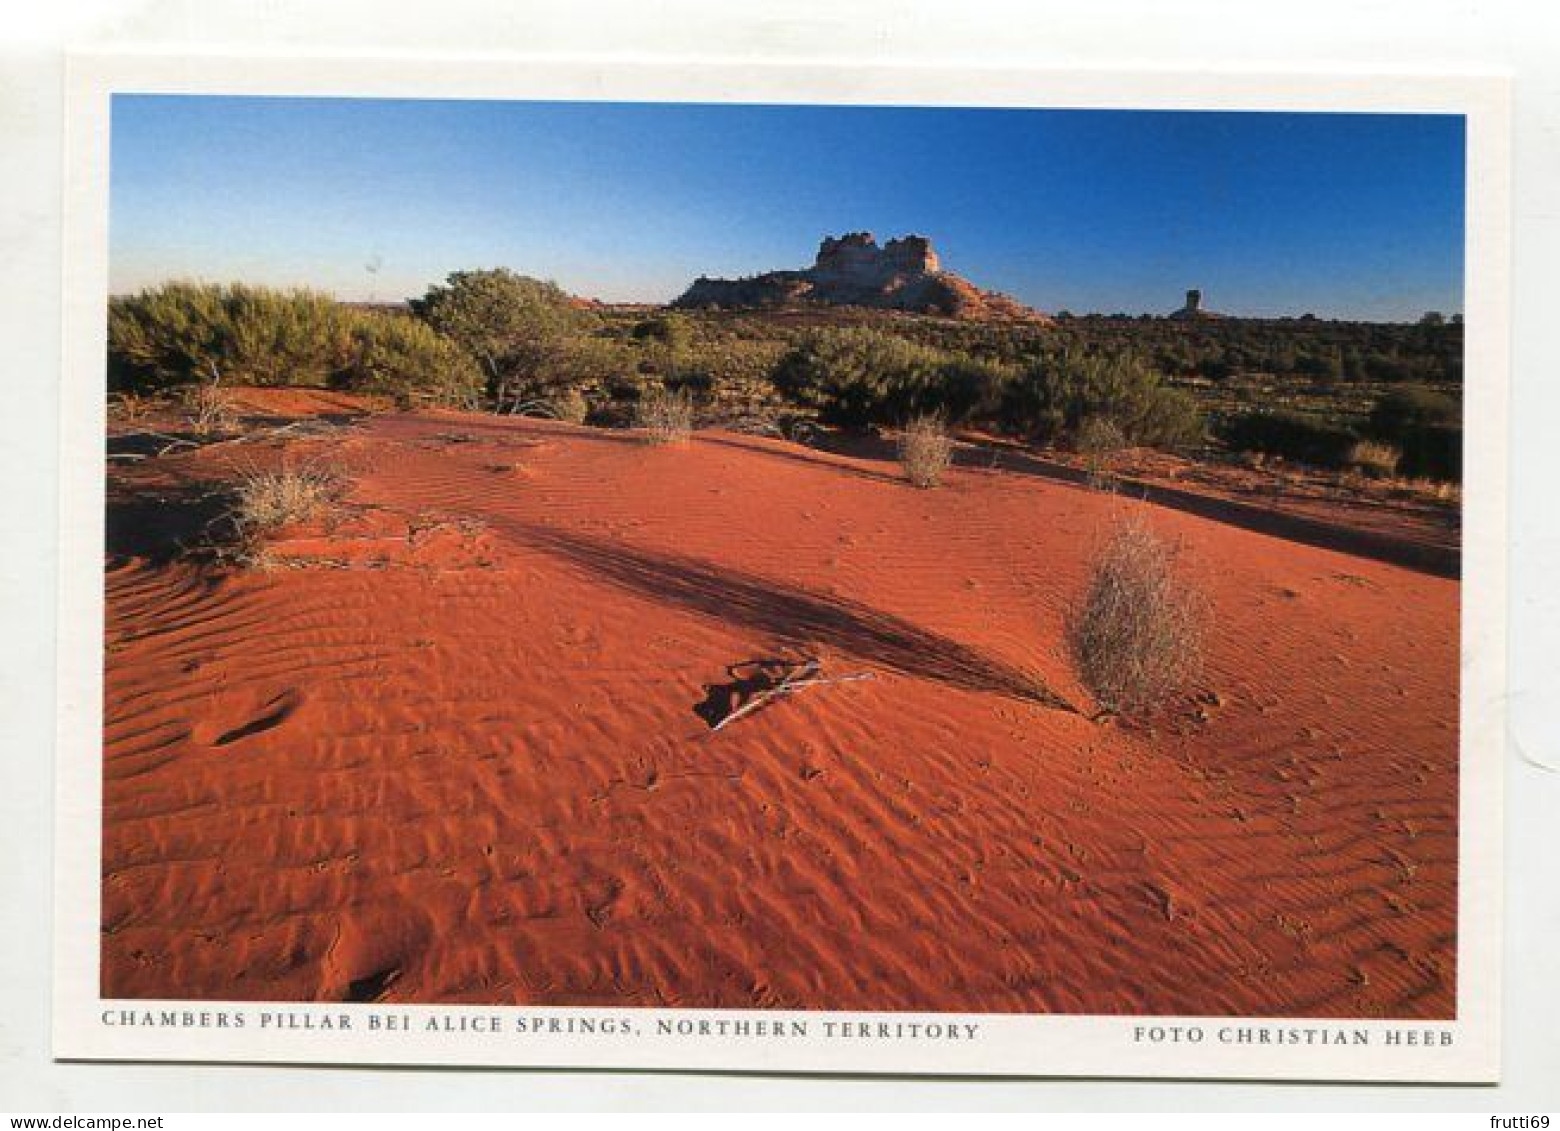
(457, 747)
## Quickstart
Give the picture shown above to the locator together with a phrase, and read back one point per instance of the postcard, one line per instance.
(918, 571)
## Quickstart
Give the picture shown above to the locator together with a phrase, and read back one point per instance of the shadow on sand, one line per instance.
(794, 616)
(812, 457)
(162, 524)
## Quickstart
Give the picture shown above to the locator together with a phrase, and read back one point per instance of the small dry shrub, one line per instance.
(1098, 438)
(1433, 490)
(1137, 635)
(569, 405)
(268, 500)
(665, 416)
(211, 409)
(1378, 461)
(925, 451)
(129, 407)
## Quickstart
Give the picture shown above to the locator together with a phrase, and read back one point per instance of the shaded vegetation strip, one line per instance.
(1423, 557)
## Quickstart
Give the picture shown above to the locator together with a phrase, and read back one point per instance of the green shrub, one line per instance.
(519, 329)
(189, 335)
(586, 368)
(1058, 394)
(673, 331)
(1433, 452)
(967, 389)
(1389, 367)
(400, 356)
(1291, 436)
(855, 376)
(181, 333)
(1317, 367)
(569, 405)
(1426, 426)
(1402, 411)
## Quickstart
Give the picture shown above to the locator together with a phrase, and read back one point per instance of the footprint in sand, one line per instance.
(366, 957)
(238, 717)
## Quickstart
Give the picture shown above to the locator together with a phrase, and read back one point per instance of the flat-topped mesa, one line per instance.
(852, 270)
(857, 255)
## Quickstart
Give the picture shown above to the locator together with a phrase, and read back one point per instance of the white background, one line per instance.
(1430, 36)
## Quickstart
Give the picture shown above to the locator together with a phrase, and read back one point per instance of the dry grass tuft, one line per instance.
(129, 407)
(1378, 461)
(268, 500)
(1436, 490)
(1137, 635)
(211, 409)
(665, 416)
(925, 451)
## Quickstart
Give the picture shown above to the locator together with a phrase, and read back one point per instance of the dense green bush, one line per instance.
(860, 376)
(585, 363)
(1291, 436)
(673, 331)
(969, 389)
(1054, 398)
(735, 363)
(398, 355)
(1403, 411)
(181, 334)
(856, 376)
(1433, 452)
(1388, 366)
(1309, 348)
(1319, 367)
(528, 343)
(521, 330)
(1426, 426)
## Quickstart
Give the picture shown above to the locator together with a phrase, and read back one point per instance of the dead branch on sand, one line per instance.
(297, 429)
(804, 674)
(169, 444)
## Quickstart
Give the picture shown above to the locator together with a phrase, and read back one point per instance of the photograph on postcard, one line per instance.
(783, 560)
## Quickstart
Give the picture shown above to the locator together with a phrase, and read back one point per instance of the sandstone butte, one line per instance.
(852, 270)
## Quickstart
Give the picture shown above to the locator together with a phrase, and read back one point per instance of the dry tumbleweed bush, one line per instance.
(211, 408)
(1376, 461)
(666, 416)
(266, 500)
(1137, 635)
(925, 451)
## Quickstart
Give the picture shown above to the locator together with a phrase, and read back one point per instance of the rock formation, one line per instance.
(852, 270)
(1193, 310)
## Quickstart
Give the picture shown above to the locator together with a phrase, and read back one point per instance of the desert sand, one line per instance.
(455, 744)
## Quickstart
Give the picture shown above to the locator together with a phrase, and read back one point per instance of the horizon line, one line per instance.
(1060, 312)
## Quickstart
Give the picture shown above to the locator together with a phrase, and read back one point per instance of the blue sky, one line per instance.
(1342, 215)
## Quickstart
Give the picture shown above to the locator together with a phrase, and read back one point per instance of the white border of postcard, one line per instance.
(86, 1026)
